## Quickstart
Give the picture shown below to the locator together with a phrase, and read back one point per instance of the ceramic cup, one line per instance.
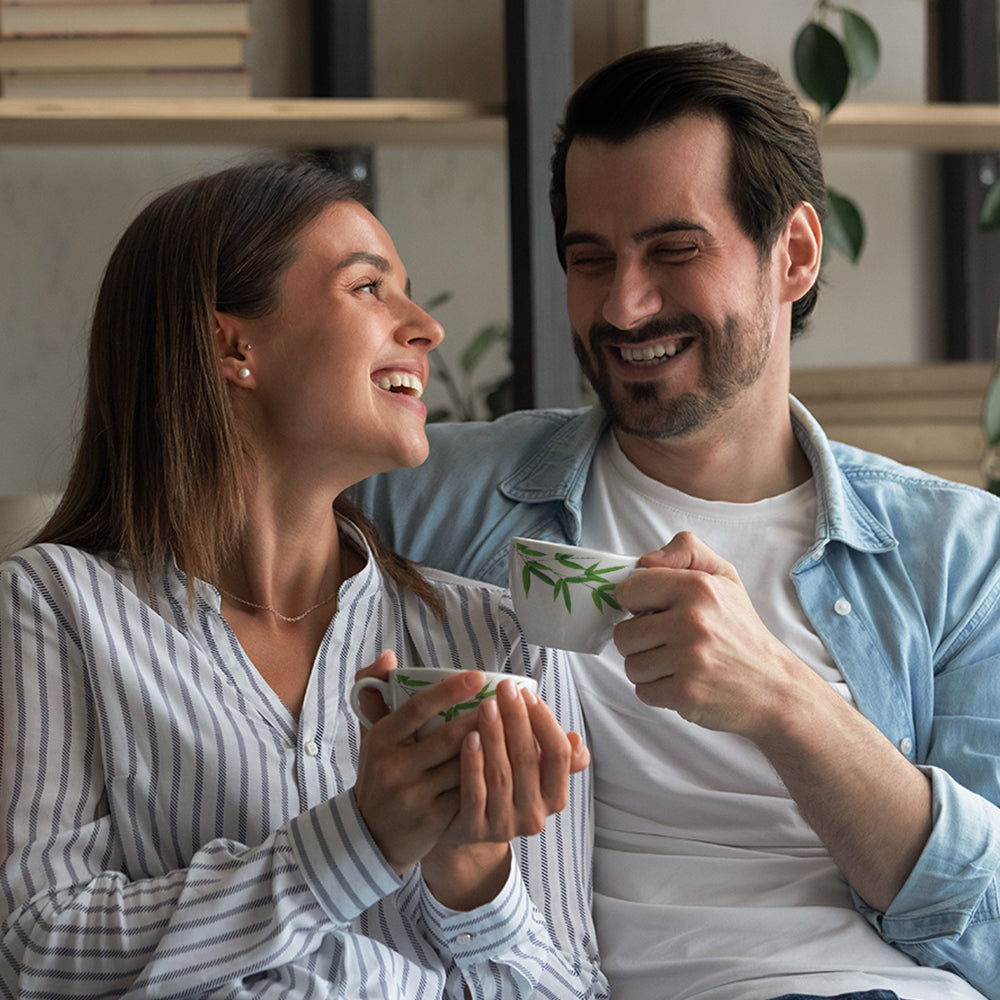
(564, 595)
(405, 682)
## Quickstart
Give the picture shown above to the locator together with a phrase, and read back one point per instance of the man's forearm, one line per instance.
(869, 805)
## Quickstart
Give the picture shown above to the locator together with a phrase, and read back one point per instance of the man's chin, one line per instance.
(642, 413)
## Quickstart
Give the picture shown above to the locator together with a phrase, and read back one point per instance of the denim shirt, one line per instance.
(901, 583)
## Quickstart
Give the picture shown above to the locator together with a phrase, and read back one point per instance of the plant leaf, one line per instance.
(989, 215)
(820, 65)
(481, 342)
(500, 399)
(844, 228)
(861, 46)
(437, 300)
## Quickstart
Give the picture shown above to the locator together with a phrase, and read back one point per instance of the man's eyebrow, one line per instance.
(668, 226)
(650, 232)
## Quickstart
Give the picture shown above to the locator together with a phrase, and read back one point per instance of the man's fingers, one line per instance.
(686, 551)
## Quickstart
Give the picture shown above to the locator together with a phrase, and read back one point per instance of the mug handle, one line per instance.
(355, 697)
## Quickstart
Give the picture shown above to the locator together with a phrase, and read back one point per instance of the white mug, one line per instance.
(405, 682)
(564, 595)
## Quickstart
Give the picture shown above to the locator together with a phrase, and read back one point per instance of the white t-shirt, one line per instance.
(708, 882)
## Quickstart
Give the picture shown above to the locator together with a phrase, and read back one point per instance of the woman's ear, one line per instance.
(803, 239)
(234, 352)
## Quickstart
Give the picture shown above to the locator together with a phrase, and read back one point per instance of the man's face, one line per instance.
(673, 313)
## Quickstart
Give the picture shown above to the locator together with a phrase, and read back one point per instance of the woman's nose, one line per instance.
(421, 326)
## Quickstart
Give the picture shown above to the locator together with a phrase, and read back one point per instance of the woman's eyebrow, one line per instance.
(362, 257)
(376, 260)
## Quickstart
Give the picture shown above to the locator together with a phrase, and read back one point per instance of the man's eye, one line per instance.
(676, 253)
(371, 287)
(588, 261)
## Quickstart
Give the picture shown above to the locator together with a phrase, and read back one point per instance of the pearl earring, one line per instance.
(244, 373)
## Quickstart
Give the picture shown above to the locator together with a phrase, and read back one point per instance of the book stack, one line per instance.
(123, 48)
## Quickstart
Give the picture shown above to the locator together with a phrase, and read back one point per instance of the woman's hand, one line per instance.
(408, 791)
(515, 770)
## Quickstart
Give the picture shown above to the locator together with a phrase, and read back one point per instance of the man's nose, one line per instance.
(633, 297)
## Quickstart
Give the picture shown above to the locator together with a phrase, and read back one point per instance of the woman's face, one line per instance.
(338, 369)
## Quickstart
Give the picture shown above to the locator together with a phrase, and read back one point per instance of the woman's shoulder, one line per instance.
(458, 591)
(53, 569)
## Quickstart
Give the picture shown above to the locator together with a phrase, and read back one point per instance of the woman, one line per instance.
(188, 807)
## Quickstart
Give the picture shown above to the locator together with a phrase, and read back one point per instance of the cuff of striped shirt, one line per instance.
(489, 931)
(339, 860)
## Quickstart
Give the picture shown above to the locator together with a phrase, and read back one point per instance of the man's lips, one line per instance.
(655, 343)
(652, 353)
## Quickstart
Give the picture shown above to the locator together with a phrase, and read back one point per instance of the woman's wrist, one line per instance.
(468, 876)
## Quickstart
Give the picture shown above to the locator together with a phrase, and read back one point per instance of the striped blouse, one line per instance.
(169, 829)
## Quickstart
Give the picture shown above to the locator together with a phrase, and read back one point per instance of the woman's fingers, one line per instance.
(555, 756)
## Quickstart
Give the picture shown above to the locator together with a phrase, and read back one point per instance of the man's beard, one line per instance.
(731, 363)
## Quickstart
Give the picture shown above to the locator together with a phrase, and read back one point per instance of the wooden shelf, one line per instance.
(932, 128)
(305, 122)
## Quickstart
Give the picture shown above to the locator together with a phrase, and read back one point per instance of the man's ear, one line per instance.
(234, 352)
(803, 245)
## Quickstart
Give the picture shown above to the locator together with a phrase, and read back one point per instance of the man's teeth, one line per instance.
(649, 353)
(401, 380)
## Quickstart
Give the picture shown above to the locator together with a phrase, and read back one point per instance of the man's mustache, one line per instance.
(655, 329)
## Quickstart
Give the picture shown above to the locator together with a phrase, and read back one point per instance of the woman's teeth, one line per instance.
(404, 381)
(638, 354)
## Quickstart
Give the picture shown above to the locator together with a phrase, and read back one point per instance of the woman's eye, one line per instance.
(371, 287)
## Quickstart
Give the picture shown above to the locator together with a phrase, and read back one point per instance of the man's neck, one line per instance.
(738, 465)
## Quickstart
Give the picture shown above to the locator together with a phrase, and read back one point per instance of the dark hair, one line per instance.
(160, 465)
(775, 163)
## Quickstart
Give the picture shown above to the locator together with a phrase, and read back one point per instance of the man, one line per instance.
(797, 736)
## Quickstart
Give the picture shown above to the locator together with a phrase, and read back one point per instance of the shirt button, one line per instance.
(463, 938)
(311, 748)
(842, 606)
(906, 745)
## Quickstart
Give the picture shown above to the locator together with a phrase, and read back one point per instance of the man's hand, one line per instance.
(698, 646)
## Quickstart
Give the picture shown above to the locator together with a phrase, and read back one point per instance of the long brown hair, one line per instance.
(160, 466)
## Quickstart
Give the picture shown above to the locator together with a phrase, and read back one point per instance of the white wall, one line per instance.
(61, 209)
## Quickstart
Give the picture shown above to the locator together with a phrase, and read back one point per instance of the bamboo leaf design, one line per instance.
(486, 691)
(407, 681)
(551, 571)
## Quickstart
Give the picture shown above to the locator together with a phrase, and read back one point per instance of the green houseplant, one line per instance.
(826, 65)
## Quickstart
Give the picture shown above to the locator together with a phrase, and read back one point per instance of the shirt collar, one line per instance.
(558, 471)
(841, 513)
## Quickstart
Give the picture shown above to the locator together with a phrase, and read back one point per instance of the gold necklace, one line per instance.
(274, 611)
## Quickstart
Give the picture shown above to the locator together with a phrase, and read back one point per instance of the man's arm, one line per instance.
(697, 646)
